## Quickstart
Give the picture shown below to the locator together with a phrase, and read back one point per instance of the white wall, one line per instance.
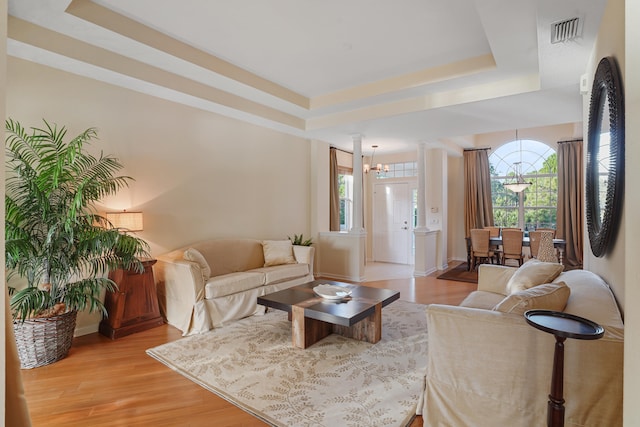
(197, 175)
(632, 208)
(621, 23)
(610, 42)
(319, 193)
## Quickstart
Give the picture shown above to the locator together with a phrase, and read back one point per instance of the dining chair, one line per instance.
(512, 246)
(552, 230)
(534, 242)
(493, 231)
(546, 251)
(480, 250)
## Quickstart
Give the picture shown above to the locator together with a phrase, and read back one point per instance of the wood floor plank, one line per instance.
(115, 383)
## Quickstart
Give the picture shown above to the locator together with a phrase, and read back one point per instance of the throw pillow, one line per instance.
(533, 273)
(277, 252)
(550, 296)
(194, 255)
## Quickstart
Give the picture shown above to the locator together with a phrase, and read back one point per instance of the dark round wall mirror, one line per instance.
(605, 157)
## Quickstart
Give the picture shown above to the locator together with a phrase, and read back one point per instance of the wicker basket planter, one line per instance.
(44, 341)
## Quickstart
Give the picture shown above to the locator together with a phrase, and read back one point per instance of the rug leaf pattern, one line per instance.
(337, 381)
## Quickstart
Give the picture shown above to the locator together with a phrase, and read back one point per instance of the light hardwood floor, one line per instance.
(114, 383)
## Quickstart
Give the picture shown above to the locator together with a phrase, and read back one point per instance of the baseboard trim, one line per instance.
(340, 277)
(86, 330)
(417, 273)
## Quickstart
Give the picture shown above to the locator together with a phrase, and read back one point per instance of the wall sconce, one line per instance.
(131, 221)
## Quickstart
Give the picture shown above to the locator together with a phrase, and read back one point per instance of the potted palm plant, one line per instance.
(55, 239)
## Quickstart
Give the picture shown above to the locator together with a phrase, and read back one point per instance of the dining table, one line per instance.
(559, 244)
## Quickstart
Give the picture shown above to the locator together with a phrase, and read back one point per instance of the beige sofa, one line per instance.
(205, 284)
(491, 368)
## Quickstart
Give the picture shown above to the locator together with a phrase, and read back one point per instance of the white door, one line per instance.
(392, 223)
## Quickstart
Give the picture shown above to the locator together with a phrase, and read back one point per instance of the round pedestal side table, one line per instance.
(562, 326)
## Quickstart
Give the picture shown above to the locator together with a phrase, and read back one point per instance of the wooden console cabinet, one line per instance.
(133, 307)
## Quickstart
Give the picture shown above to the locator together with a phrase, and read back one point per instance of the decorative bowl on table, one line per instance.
(332, 292)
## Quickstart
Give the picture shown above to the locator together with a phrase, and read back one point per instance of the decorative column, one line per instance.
(422, 187)
(357, 185)
(357, 234)
(426, 240)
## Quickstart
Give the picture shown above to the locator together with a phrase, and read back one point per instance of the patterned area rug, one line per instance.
(336, 382)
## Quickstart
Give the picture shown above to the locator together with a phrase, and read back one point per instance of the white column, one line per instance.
(422, 187)
(357, 185)
(357, 236)
(426, 240)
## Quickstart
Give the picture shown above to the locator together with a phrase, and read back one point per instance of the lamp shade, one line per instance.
(520, 185)
(517, 187)
(131, 221)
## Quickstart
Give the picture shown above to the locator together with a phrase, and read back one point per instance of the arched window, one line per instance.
(536, 206)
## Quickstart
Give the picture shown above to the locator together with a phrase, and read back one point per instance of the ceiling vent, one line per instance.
(566, 30)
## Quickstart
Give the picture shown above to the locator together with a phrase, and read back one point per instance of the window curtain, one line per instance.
(334, 191)
(570, 201)
(478, 208)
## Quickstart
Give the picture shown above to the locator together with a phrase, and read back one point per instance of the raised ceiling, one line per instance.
(438, 71)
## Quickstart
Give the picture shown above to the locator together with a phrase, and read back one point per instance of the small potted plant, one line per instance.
(300, 240)
(55, 239)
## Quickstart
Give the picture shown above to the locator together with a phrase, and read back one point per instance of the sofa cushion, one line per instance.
(232, 283)
(591, 297)
(482, 299)
(280, 273)
(277, 252)
(550, 296)
(192, 254)
(533, 273)
(231, 255)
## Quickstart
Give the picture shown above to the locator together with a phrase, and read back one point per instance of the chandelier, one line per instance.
(377, 168)
(519, 185)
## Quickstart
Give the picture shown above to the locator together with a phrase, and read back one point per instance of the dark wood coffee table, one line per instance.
(313, 317)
